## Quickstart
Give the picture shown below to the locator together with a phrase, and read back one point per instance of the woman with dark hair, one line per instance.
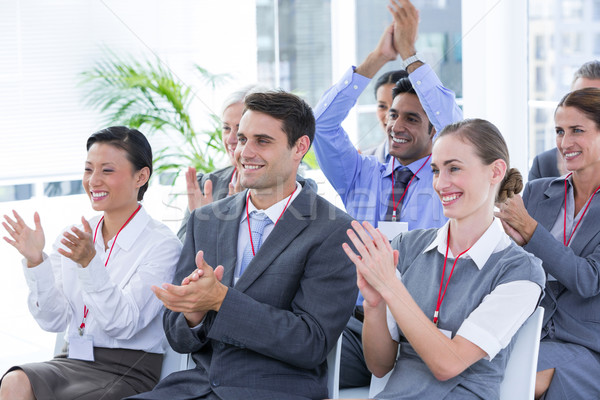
(452, 298)
(557, 221)
(96, 283)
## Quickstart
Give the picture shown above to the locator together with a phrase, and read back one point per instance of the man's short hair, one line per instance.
(404, 85)
(589, 70)
(295, 114)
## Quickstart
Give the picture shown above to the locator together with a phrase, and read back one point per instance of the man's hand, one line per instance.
(406, 25)
(200, 292)
(195, 197)
(383, 52)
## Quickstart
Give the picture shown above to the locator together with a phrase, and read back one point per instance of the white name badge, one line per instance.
(81, 347)
(391, 229)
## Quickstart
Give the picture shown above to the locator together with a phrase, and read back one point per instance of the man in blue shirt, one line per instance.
(364, 183)
(421, 107)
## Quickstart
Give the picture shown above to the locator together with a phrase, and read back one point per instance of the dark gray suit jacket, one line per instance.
(544, 165)
(220, 181)
(272, 334)
(575, 311)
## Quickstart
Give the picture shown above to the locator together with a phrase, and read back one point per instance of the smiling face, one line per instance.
(577, 139)
(231, 123)
(466, 186)
(265, 162)
(109, 180)
(384, 102)
(408, 129)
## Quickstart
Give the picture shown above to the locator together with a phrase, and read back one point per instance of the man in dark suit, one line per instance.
(260, 324)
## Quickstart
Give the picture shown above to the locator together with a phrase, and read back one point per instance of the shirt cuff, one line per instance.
(352, 84)
(39, 277)
(94, 276)
(481, 338)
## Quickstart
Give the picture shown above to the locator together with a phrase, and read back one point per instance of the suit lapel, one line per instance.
(295, 219)
(547, 209)
(227, 229)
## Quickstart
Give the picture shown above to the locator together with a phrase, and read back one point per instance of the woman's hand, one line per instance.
(195, 197)
(80, 243)
(376, 265)
(517, 222)
(29, 242)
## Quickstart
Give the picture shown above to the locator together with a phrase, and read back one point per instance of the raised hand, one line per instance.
(29, 242)
(406, 25)
(233, 189)
(385, 46)
(196, 198)
(80, 243)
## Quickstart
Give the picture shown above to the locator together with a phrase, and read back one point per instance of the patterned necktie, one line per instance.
(401, 178)
(258, 222)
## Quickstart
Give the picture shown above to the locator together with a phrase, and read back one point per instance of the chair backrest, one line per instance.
(333, 370)
(521, 368)
(173, 362)
(519, 377)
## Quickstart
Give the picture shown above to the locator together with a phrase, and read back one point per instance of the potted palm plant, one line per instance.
(146, 95)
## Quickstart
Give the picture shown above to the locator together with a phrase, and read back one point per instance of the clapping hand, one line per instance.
(376, 265)
(80, 243)
(29, 242)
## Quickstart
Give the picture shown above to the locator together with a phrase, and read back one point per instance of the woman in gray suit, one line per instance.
(557, 220)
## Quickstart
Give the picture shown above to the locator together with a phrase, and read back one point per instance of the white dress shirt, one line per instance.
(493, 323)
(123, 311)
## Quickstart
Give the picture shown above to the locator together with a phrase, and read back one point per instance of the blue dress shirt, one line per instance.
(364, 183)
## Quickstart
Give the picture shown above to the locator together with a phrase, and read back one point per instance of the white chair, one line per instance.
(333, 370)
(519, 377)
(173, 362)
(521, 368)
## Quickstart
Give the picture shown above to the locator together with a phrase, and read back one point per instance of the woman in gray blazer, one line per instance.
(558, 221)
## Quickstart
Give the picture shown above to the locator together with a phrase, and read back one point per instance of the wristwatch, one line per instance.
(410, 60)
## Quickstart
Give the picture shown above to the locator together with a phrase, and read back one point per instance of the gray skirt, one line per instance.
(115, 373)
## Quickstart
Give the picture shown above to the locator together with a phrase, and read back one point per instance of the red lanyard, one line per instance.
(405, 189)
(565, 241)
(248, 216)
(85, 309)
(440, 294)
(117, 235)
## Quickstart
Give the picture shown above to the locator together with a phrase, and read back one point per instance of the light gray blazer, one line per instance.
(575, 311)
(272, 334)
(544, 165)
